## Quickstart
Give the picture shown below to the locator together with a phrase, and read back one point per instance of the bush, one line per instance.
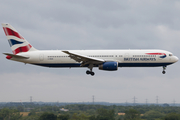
(63, 117)
(172, 116)
(48, 116)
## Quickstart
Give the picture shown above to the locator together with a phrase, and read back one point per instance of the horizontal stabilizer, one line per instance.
(16, 56)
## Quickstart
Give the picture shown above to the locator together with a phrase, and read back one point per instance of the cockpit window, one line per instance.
(170, 55)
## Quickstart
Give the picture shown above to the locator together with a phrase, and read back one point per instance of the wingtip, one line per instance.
(4, 53)
(65, 51)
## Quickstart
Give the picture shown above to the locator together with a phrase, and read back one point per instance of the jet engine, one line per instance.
(109, 66)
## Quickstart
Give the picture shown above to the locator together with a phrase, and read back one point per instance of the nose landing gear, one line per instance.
(164, 68)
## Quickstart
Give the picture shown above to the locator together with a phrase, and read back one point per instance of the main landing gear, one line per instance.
(164, 68)
(90, 71)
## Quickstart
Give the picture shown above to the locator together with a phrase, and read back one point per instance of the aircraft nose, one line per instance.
(176, 59)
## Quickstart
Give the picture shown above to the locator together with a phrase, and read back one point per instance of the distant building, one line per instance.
(165, 105)
(65, 110)
(121, 113)
(29, 109)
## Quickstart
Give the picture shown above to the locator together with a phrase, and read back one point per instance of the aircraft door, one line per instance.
(160, 58)
(41, 57)
(126, 55)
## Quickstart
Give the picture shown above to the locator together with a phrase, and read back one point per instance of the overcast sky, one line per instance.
(91, 24)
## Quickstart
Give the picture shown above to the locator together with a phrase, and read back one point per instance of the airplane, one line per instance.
(108, 60)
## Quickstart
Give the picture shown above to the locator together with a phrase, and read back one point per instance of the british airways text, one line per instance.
(139, 59)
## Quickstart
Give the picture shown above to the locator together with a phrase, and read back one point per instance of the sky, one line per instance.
(84, 25)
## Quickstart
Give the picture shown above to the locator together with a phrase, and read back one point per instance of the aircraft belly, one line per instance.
(143, 64)
(58, 64)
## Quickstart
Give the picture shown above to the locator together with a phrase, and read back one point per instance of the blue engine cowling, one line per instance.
(110, 66)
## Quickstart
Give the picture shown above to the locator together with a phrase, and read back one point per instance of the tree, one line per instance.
(30, 118)
(103, 114)
(153, 115)
(132, 114)
(93, 117)
(172, 116)
(20, 108)
(75, 116)
(63, 117)
(7, 114)
(48, 116)
(32, 113)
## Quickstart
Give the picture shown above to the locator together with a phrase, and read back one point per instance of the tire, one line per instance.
(88, 72)
(92, 73)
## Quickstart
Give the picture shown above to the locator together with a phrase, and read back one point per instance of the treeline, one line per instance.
(92, 112)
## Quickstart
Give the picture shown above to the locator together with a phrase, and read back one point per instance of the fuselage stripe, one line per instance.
(155, 53)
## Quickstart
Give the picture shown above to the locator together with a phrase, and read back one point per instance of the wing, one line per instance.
(16, 56)
(83, 59)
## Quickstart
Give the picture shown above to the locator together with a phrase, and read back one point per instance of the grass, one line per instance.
(24, 113)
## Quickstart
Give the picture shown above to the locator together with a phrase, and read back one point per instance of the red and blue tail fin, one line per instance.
(17, 43)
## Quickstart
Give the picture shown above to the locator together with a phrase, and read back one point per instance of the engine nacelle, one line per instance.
(110, 66)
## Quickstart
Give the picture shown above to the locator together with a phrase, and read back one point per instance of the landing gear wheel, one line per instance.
(88, 72)
(164, 68)
(92, 73)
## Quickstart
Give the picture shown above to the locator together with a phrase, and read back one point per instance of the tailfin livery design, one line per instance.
(17, 43)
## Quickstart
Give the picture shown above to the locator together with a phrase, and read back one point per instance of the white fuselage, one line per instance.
(125, 58)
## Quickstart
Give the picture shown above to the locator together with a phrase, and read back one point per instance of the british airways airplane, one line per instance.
(108, 60)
